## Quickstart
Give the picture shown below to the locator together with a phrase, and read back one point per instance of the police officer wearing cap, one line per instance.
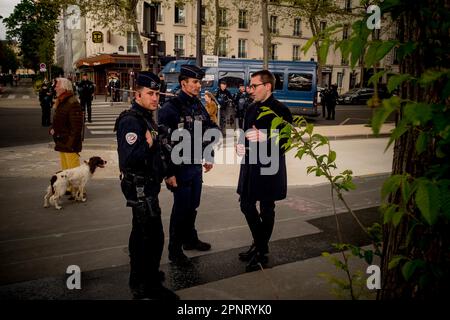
(143, 162)
(86, 94)
(186, 112)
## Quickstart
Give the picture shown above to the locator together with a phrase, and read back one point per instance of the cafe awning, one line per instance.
(114, 59)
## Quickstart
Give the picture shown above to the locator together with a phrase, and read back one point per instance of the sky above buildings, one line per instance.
(6, 8)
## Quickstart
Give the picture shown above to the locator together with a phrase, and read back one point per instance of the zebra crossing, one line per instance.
(104, 116)
(16, 96)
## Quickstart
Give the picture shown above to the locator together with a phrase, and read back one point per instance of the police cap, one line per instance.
(192, 71)
(148, 79)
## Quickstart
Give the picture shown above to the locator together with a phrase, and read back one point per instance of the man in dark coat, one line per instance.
(256, 182)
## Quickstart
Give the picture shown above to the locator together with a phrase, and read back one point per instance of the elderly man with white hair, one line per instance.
(67, 125)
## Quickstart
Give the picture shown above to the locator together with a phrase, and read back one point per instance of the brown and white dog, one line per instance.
(77, 178)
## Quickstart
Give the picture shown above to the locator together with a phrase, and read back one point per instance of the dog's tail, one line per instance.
(52, 181)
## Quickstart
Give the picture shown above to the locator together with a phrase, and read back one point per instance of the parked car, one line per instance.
(360, 96)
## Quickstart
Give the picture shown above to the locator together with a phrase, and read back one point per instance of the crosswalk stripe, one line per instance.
(99, 127)
(100, 122)
(101, 132)
(11, 96)
(25, 97)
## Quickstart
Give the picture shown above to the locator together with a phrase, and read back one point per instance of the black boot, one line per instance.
(247, 255)
(198, 245)
(257, 262)
(179, 258)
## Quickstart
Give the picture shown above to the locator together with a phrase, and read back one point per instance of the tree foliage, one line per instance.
(415, 260)
(118, 15)
(8, 58)
(33, 24)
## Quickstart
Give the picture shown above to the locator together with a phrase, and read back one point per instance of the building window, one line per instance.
(180, 14)
(300, 81)
(203, 15)
(296, 53)
(273, 52)
(132, 42)
(243, 19)
(179, 44)
(223, 23)
(297, 27)
(273, 24)
(395, 56)
(279, 80)
(340, 76)
(222, 47)
(159, 13)
(345, 32)
(323, 25)
(242, 48)
(348, 5)
(344, 62)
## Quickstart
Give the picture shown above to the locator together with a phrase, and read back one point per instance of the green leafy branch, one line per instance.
(300, 137)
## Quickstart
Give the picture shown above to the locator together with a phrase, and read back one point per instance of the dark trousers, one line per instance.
(331, 111)
(46, 114)
(324, 107)
(145, 248)
(86, 104)
(260, 223)
(186, 200)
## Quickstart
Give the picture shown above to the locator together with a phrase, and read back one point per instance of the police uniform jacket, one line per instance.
(85, 89)
(135, 155)
(252, 184)
(180, 113)
(67, 124)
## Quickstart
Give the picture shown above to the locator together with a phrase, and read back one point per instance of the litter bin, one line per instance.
(125, 96)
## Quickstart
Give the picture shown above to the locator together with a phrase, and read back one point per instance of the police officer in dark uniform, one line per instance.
(86, 93)
(241, 100)
(187, 112)
(143, 162)
(254, 184)
(45, 98)
(225, 99)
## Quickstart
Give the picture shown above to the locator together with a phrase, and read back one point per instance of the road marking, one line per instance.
(11, 96)
(25, 97)
(101, 132)
(344, 122)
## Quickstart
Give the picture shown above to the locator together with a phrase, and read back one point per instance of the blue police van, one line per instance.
(296, 81)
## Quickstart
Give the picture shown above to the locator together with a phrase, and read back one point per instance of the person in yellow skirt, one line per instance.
(67, 125)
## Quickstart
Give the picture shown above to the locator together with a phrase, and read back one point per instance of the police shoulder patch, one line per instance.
(131, 138)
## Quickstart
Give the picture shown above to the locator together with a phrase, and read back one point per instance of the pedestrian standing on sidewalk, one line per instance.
(323, 100)
(143, 168)
(331, 102)
(211, 106)
(67, 125)
(254, 184)
(45, 99)
(86, 94)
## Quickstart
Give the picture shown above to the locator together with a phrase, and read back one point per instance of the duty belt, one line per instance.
(137, 178)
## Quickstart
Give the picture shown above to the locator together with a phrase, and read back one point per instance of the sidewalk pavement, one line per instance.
(37, 244)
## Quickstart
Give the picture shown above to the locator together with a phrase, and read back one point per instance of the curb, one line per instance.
(113, 147)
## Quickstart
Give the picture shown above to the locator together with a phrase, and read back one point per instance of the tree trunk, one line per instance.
(266, 35)
(140, 47)
(315, 32)
(413, 27)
